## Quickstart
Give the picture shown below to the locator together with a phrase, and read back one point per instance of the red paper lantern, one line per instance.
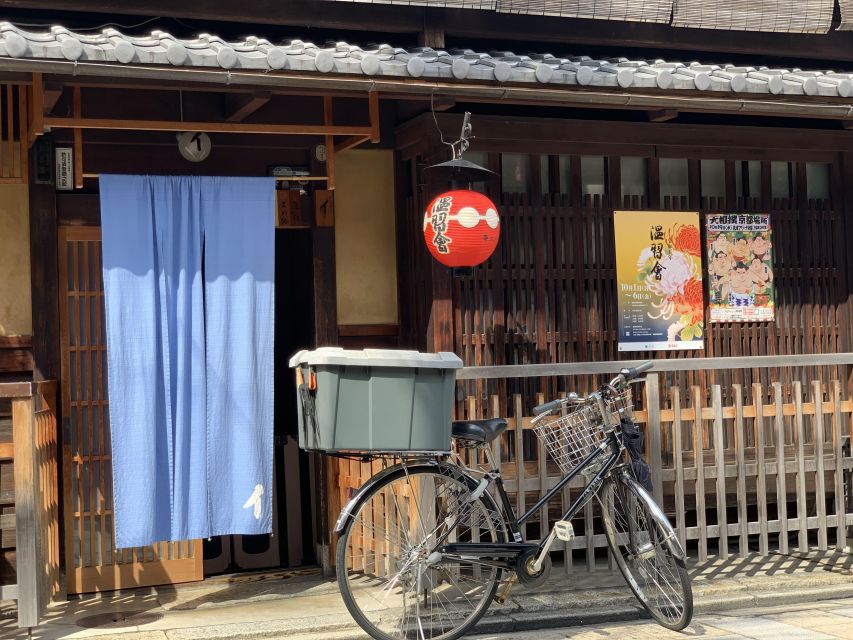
(461, 228)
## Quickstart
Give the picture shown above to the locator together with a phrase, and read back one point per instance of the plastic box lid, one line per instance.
(376, 358)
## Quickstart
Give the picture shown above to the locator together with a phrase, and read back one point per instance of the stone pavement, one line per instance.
(821, 620)
(303, 605)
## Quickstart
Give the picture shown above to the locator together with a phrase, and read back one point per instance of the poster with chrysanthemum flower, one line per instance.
(659, 278)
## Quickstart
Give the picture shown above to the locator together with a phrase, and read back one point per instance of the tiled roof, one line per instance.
(253, 53)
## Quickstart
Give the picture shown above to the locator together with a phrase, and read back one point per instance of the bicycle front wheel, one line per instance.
(393, 581)
(647, 551)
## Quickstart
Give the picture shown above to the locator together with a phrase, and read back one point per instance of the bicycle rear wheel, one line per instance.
(393, 583)
(647, 551)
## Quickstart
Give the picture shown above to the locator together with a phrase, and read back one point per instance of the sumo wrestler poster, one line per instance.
(659, 280)
(740, 267)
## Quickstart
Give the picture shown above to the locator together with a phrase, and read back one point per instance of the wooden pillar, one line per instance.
(440, 328)
(844, 206)
(440, 323)
(43, 261)
(326, 334)
(28, 534)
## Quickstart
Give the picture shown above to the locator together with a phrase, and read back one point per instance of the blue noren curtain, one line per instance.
(188, 266)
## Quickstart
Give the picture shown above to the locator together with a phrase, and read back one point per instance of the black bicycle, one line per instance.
(426, 543)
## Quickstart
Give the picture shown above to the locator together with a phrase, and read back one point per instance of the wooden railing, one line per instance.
(33, 453)
(765, 471)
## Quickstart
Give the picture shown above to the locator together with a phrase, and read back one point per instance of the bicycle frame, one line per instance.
(509, 551)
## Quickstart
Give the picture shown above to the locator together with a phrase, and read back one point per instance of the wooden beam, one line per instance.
(662, 115)
(503, 131)
(240, 107)
(16, 360)
(443, 103)
(330, 142)
(368, 330)
(37, 114)
(52, 93)
(349, 143)
(373, 105)
(209, 127)
(78, 141)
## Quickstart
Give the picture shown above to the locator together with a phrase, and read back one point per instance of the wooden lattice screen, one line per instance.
(92, 561)
(13, 134)
(548, 294)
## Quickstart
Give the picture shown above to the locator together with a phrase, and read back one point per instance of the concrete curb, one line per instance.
(517, 619)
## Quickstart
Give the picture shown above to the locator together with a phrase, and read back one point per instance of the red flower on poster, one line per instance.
(691, 301)
(686, 238)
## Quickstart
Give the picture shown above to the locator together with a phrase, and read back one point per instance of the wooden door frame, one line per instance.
(172, 562)
(82, 210)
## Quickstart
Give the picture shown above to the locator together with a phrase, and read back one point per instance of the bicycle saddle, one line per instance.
(478, 430)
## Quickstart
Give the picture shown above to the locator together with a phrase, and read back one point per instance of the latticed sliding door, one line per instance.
(92, 561)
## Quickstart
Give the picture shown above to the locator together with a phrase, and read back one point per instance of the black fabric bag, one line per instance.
(633, 439)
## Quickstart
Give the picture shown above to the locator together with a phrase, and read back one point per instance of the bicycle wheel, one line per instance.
(647, 551)
(392, 582)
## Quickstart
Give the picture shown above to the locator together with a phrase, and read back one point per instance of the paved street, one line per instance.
(821, 620)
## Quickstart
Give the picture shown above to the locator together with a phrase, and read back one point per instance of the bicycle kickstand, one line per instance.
(505, 590)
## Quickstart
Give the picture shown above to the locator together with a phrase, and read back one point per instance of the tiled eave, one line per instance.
(460, 74)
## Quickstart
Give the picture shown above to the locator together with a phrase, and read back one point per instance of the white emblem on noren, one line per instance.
(255, 501)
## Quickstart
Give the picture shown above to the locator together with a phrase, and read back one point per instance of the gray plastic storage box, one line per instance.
(376, 400)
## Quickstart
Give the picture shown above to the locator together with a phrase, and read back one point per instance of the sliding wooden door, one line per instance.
(92, 561)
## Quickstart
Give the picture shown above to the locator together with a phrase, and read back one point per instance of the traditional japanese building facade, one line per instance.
(651, 111)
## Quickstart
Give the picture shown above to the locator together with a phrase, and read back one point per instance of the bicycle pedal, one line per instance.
(564, 530)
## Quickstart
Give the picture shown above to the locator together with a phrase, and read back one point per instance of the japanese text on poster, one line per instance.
(659, 280)
(740, 267)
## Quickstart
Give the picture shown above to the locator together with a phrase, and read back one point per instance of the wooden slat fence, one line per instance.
(735, 501)
(769, 470)
(36, 496)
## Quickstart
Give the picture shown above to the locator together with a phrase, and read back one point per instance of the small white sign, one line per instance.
(64, 169)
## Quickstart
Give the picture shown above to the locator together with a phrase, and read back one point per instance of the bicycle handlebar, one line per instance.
(548, 407)
(625, 376)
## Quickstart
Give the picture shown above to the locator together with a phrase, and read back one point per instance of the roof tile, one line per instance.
(110, 46)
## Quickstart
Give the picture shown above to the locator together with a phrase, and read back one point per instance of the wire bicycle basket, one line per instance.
(572, 437)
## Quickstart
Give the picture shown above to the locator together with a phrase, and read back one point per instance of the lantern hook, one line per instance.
(461, 145)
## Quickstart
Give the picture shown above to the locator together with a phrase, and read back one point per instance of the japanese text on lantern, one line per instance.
(438, 220)
(659, 279)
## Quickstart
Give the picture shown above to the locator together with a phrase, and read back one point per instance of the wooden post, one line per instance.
(846, 208)
(440, 323)
(653, 424)
(37, 115)
(326, 333)
(781, 472)
(740, 446)
(328, 117)
(28, 533)
(43, 262)
(78, 142)
(722, 520)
